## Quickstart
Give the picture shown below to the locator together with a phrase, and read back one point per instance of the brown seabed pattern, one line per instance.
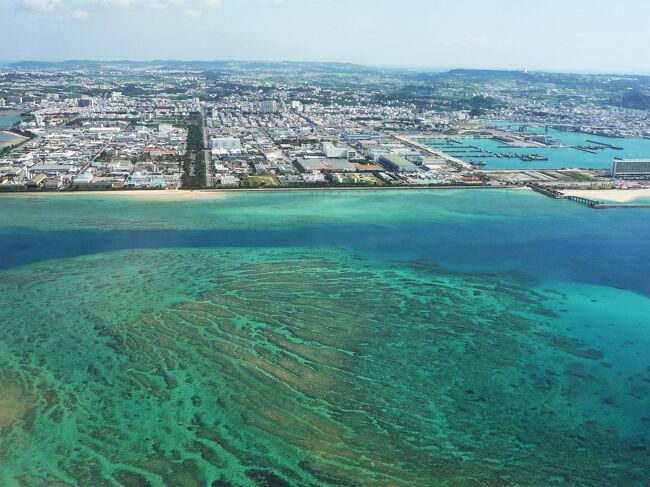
(295, 367)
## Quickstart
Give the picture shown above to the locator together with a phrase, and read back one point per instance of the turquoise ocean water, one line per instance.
(323, 338)
(8, 118)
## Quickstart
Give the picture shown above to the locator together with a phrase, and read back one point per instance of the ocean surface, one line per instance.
(8, 118)
(565, 156)
(371, 338)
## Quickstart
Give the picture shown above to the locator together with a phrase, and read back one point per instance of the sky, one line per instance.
(553, 35)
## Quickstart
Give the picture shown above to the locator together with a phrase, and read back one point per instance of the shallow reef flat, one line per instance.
(305, 367)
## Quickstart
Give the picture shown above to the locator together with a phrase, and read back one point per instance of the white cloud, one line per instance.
(192, 7)
(83, 8)
(78, 9)
(116, 3)
(42, 4)
(78, 14)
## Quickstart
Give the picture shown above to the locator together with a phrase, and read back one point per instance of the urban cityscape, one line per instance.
(88, 126)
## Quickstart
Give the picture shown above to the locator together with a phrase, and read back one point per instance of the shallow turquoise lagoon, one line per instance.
(323, 338)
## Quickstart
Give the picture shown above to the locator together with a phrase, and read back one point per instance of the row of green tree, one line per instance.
(194, 160)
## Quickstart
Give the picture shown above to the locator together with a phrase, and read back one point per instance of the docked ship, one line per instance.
(533, 157)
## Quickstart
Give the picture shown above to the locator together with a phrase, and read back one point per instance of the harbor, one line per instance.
(537, 148)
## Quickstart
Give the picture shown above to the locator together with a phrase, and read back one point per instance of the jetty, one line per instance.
(597, 205)
(587, 202)
(606, 146)
(584, 149)
(551, 193)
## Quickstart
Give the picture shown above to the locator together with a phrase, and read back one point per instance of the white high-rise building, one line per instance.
(631, 168)
(269, 106)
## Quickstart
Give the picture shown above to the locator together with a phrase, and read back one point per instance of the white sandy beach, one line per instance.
(614, 195)
(11, 138)
(141, 195)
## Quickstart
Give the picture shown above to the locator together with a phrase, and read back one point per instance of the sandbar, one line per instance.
(613, 195)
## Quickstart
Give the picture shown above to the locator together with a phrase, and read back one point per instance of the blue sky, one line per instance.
(567, 35)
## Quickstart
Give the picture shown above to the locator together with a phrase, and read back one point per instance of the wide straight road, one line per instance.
(90, 162)
(207, 150)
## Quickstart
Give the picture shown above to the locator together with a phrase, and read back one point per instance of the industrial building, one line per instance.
(315, 165)
(631, 168)
(332, 152)
(350, 137)
(226, 145)
(397, 163)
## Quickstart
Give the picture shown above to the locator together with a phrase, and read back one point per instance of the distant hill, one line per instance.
(286, 66)
(489, 73)
(325, 67)
(71, 64)
(636, 99)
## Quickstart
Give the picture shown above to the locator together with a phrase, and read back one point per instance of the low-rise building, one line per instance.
(226, 145)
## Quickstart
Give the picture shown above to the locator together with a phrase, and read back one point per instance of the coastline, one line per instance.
(140, 195)
(213, 194)
(611, 195)
(13, 137)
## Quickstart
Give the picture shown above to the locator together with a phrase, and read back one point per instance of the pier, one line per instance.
(557, 195)
(606, 146)
(624, 205)
(588, 202)
(597, 205)
(583, 149)
(551, 193)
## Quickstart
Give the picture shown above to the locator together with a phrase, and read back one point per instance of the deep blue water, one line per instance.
(602, 247)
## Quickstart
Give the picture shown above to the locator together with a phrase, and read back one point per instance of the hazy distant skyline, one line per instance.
(554, 35)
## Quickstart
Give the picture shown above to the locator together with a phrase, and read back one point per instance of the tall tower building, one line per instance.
(269, 106)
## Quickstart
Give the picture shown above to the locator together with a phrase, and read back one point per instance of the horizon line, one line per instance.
(411, 68)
